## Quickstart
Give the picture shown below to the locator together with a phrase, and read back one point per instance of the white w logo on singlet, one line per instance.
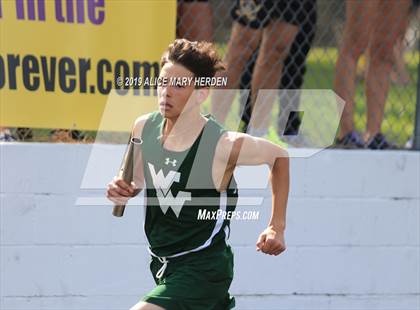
(163, 185)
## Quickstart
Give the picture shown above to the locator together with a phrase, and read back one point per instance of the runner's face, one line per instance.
(174, 98)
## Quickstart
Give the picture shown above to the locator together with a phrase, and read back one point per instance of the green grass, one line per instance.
(400, 107)
(398, 123)
(399, 118)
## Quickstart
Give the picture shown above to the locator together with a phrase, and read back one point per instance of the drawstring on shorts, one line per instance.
(162, 269)
(163, 260)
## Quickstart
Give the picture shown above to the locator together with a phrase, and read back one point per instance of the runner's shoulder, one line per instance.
(230, 142)
(139, 124)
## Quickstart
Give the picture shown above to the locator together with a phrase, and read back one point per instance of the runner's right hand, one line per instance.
(119, 191)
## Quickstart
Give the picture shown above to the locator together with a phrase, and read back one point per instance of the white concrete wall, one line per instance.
(353, 233)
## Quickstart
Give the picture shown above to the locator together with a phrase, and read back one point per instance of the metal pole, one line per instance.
(416, 138)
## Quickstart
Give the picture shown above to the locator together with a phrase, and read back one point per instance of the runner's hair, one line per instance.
(199, 57)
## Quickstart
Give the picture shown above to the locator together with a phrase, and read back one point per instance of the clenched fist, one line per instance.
(119, 191)
(271, 241)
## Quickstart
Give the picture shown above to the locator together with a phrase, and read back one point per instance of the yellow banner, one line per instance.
(60, 59)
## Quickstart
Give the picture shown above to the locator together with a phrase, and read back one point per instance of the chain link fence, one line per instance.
(378, 40)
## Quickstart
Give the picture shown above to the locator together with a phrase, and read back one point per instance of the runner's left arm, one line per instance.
(243, 150)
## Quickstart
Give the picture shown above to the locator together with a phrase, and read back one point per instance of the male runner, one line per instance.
(188, 162)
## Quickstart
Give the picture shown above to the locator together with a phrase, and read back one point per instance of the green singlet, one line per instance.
(191, 262)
